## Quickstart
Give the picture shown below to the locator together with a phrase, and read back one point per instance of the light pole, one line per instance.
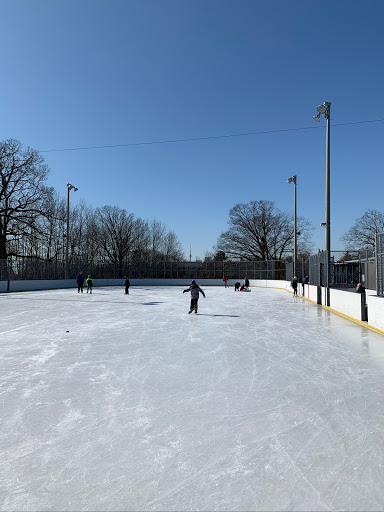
(325, 109)
(70, 187)
(293, 179)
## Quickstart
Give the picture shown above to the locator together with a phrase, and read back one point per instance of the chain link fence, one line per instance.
(28, 269)
(380, 264)
(356, 267)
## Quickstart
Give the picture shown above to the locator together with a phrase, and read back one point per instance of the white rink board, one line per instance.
(260, 402)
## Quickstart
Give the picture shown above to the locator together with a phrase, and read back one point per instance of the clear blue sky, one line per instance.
(93, 73)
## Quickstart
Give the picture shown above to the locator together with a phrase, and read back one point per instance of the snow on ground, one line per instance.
(259, 402)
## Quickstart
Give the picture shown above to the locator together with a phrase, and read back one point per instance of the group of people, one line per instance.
(80, 282)
(295, 283)
(195, 291)
(244, 287)
(194, 288)
(238, 286)
(89, 282)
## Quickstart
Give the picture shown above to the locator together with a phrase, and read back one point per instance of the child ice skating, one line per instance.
(237, 287)
(89, 284)
(195, 290)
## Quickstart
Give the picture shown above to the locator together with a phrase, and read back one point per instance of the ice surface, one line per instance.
(256, 403)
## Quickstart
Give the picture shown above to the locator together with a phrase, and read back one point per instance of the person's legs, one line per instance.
(193, 306)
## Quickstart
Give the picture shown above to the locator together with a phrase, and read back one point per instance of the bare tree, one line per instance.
(118, 233)
(172, 248)
(164, 245)
(260, 231)
(362, 233)
(51, 225)
(22, 173)
(157, 233)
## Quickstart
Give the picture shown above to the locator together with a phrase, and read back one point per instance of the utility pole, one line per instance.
(325, 110)
(69, 187)
(293, 180)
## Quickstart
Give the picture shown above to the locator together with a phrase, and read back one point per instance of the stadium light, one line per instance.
(293, 180)
(325, 110)
(69, 187)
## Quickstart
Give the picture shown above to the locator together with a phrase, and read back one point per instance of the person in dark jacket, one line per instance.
(237, 287)
(80, 281)
(360, 288)
(294, 285)
(195, 291)
(127, 285)
(246, 283)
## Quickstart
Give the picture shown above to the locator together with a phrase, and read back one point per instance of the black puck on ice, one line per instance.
(66, 331)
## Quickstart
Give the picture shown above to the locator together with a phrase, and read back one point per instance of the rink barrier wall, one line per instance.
(343, 302)
(50, 284)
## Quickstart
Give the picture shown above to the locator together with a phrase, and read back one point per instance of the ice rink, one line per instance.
(116, 402)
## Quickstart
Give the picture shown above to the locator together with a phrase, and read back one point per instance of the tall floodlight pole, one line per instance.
(293, 179)
(70, 187)
(325, 109)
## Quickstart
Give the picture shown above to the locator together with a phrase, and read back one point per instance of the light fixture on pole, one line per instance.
(293, 179)
(325, 110)
(70, 187)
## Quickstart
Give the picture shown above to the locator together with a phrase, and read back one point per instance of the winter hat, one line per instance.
(193, 282)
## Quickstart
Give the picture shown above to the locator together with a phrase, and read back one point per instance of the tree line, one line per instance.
(33, 220)
(33, 224)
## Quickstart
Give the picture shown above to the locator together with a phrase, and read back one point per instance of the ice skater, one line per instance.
(246, 283)
(294, 286)
(89, 284)
(127, 285)
(237, 287)
(195, 290)
(80, 281)
(225, 279)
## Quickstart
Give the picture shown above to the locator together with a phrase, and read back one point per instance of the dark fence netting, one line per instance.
(24, 268)
(380, 264)
(356, 267)
(365, 266)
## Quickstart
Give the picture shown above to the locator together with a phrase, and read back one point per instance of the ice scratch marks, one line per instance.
(302, 475)
(47, 354)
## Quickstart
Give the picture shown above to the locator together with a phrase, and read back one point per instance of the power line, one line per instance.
(173, 141)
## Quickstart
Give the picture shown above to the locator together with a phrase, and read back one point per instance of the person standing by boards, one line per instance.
(294, 285)
(127, 285)
(195, 291)
(225, 279)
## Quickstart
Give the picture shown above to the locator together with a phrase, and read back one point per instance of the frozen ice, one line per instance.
(259, 402)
